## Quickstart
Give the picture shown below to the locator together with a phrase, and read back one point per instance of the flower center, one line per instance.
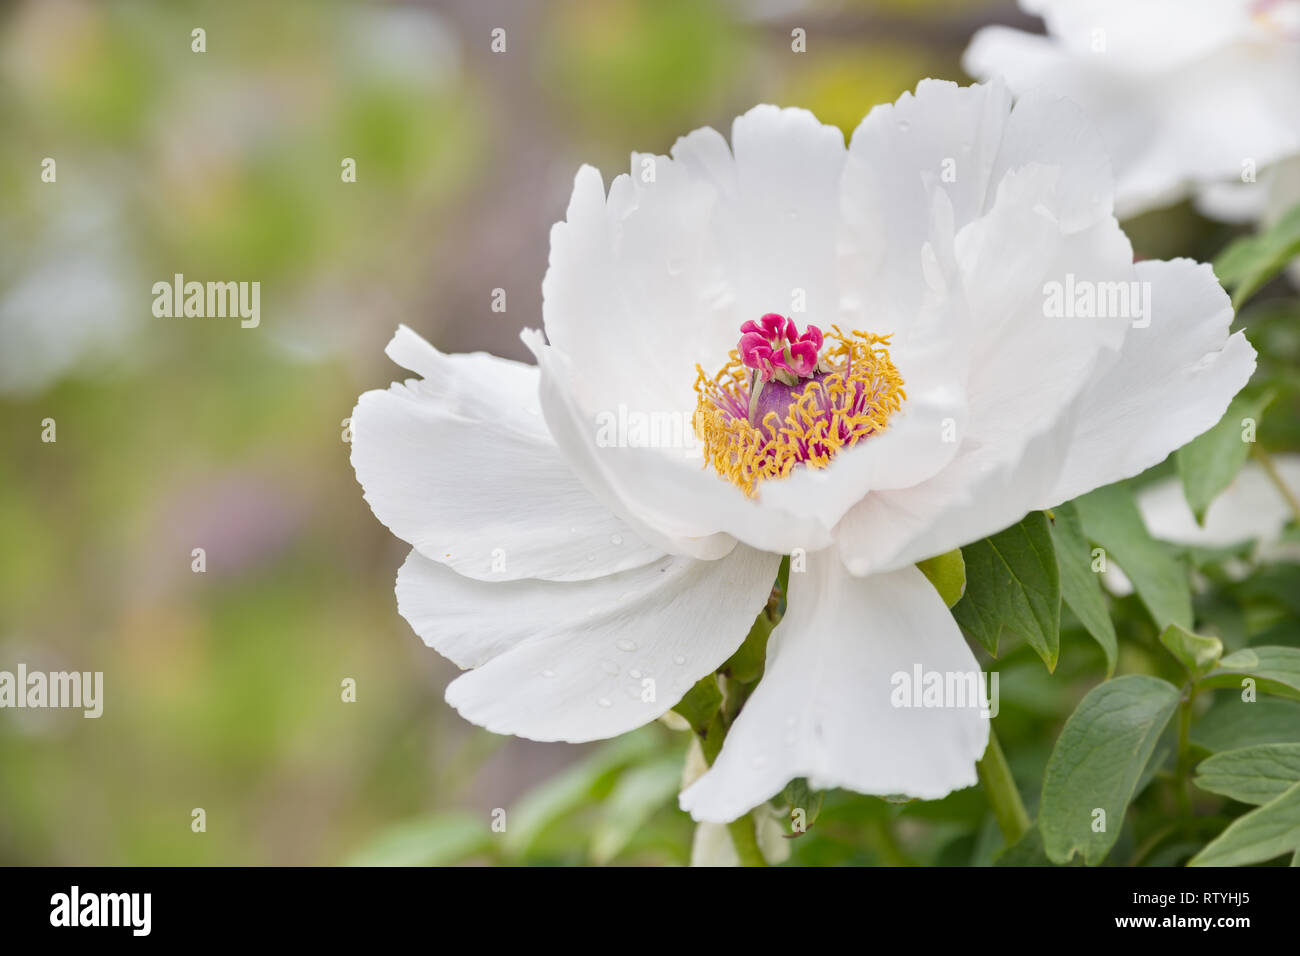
(777, 404)
(1279, 17)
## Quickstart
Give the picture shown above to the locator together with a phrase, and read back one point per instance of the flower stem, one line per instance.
(744, 836)
(1266, 462)
(1000, 788)
(1182, 773)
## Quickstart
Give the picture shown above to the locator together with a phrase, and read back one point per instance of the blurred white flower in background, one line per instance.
(571, 569)
(1251, 509)
(1186, 93)
(66, 298)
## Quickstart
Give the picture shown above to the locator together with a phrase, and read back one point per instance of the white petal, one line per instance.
(1233, 202)
(1047, 225)
(979, 494)
(664, 271)
(461, 466)
(583, 660)
(898, 158)
(711, 846)
(1147, 37)
(1028, 365)
(825, 706)
(1172, 381)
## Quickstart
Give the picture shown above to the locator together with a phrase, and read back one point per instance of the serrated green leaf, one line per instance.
(438, 840)
(1097, 762)
(1208, 463)
(1196, 652)
(1013, 584)
(1275, 670)
(1080, 585)
(1111, 518)
(1251, 261)
(1252, 774)
(637, 795)
(1263, 834)
(947, 572)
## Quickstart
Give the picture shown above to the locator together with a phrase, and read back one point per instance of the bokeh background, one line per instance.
(223, 688)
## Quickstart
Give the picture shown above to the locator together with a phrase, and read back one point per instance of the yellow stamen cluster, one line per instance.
(853, 399)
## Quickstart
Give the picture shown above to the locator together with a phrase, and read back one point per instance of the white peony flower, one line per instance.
(588, 559)
(1273, 194)
(1185, 92)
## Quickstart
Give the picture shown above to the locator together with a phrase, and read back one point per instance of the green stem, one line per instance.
(1152, 842)
(1183, 771)
(1000, 788)
(891, 852)
(744, 834)
(1266, 462)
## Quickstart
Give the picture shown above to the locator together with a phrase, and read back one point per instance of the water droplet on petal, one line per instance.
(679, 660)
(605, 702)
(634, 674)
(548, 673)
(624, 644)
(615, 539)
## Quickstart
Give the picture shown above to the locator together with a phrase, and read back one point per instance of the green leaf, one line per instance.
(947, 572)
(1208, 463)
(701, 703)
(1197, 653)
(1264, 833)
(1110, 517)
(438, 840)
(636, 796)
(1027, 851)
(1097, 762)
(746, 665)
(1251, 261)
(798, 795)
(574, 787)
(1253, 774)
(1275, 670)
(1013, 584)
(1080, 585)
(1233, 723)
